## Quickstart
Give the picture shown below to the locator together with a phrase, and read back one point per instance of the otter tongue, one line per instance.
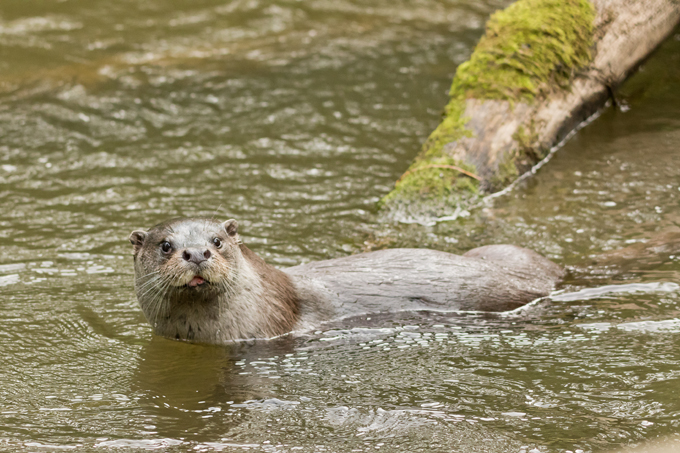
(196, 281)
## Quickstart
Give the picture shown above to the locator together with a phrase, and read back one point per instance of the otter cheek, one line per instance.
(219, 275)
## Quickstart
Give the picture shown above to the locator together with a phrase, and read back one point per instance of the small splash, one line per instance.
(267, 404)
(602, 291)
(7, 280)
(666, 325)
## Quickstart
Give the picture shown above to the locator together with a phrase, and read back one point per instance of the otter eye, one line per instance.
(217, 242)
(166, 247)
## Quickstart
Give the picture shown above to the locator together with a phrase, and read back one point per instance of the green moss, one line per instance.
(506, 173)
(527, 141)
(451, 128)
(529, 148)
(531, 48)
(422, 179)
(427, 178)
(434, 182)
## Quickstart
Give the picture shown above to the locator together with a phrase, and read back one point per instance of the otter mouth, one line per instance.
(197, 281)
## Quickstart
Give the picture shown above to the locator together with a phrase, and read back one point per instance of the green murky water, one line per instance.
(295, 117)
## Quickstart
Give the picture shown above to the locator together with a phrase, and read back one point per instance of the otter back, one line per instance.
(492, 278)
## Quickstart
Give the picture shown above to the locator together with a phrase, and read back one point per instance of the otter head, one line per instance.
(184, 260)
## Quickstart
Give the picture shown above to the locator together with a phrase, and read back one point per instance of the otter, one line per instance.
(195, 280)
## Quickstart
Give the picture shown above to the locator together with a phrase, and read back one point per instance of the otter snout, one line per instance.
(195, 255)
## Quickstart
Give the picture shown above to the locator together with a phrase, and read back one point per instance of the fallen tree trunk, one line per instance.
(541, 69)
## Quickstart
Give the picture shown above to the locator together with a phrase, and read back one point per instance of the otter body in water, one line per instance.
(196, 281)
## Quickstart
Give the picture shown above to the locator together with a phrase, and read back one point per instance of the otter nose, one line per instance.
(196, 256)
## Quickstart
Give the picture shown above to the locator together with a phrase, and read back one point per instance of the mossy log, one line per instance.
(541, 69)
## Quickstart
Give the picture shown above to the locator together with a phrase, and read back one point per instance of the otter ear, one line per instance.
(231, 227)
(137, 240)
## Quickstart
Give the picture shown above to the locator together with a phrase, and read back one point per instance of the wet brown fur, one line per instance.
(285, 303)
(242, 297)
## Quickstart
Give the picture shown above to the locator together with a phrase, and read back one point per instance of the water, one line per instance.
(295, 118)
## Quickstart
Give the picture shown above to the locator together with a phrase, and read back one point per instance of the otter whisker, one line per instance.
(148, 286)
(157, 292)
(142, 282)
(148, 274)
(161, 305)
(158, 301)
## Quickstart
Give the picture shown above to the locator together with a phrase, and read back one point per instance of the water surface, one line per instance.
(295, 118)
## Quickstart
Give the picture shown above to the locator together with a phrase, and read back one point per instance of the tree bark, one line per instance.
(501, 135)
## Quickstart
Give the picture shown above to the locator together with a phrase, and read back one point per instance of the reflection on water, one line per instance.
(295, 118)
